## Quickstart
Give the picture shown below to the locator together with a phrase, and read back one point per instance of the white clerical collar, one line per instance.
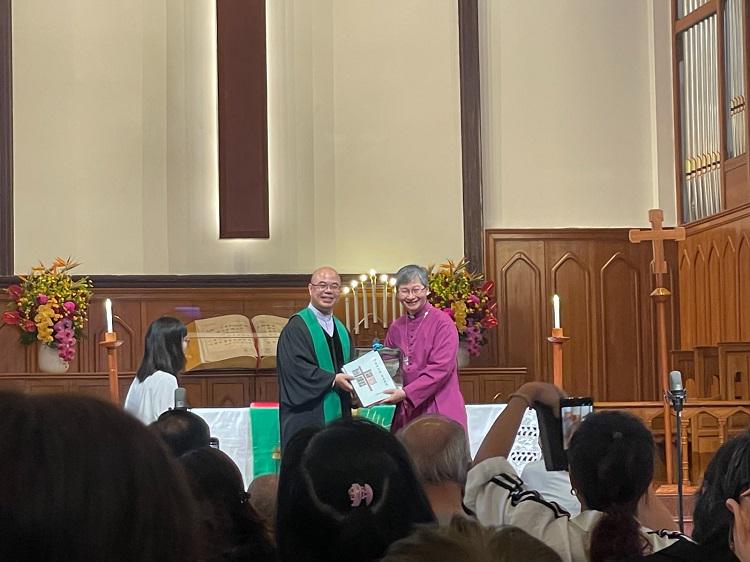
(325, 320)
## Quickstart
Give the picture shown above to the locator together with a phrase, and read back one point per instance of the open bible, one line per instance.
(233, 342)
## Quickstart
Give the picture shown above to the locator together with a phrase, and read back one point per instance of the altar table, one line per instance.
(251, 435)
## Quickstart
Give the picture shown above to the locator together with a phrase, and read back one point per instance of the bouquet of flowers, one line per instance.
(50, 307)
(467, 298)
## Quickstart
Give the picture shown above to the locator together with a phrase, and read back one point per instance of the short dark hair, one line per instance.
(316, 518)
(727, 476)
(163, 348)
(82, 480)
(182, 431)
(230, 529)
(611, 459)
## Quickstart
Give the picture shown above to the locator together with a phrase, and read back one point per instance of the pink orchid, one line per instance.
(69, 306)
(42, 299)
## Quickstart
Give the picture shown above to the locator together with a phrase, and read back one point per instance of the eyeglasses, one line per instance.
(416, 291)
(335, 287)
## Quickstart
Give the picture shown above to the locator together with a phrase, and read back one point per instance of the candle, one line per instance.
(362, 279)
(556, 310)
(373, 287)
(392, 283)
(108, 309)
(356, 306)
(384, 281)
(346, 291)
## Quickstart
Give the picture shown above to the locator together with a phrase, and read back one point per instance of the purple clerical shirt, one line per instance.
(428, 343)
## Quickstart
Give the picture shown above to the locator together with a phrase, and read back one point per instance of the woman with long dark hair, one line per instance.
(611, 458)
(152, 390)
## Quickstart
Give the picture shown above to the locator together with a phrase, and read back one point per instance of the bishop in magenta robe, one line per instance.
(428, 340)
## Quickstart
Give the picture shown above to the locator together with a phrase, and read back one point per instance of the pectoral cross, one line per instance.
(657, 235)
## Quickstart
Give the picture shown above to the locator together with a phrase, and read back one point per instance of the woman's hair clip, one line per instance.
(359, 493)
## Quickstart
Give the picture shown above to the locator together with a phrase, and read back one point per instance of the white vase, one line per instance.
(49, 361)
(463, 357)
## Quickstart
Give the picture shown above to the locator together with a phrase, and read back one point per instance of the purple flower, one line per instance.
(69, 306)
(42, 299)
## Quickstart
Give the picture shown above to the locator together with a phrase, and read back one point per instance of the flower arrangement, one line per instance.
(50, 307)
(467, 298)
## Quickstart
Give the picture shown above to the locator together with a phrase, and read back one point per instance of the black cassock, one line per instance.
(302, 384)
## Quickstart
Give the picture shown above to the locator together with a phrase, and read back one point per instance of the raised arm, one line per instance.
(499, 439)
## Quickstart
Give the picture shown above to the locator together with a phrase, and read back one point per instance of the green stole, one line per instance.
(331, 401)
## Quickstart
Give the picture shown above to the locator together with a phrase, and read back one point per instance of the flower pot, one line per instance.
(463, 357)
(49, 361)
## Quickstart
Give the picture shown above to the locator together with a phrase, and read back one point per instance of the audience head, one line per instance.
(468, 541)
(164, 348)
(82, 480)
(439, 449)
(262, 492)
(727, 477)
(346, 492)
(182, 431)
(611, 458)
(229, 528)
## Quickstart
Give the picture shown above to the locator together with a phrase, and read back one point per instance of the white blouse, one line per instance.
(149, 399)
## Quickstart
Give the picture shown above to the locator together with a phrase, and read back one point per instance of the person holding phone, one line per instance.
(152, 391)
(611, 469)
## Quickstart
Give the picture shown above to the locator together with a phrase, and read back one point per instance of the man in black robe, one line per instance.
(312, 348)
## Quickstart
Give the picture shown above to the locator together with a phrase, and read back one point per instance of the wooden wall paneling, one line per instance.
(734, 366)
(684, 361)
(743, 288)
(621, 320)
(197, 391)
(706, 368)
(521, 294)
(266, 388)
(714, 306)
(234, 392)
(570, 278)
(729, 292)
(15, 358)
(701, 297)
(469, 385)
(715, 280)
(687, 300)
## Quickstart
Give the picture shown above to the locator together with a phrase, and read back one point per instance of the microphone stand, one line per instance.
(677, 399)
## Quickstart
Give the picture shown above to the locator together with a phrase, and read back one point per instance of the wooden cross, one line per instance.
(657, 235)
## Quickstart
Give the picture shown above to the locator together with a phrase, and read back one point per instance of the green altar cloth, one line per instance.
(266, 442)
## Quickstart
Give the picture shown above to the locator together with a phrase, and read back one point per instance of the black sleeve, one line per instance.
(301, 381)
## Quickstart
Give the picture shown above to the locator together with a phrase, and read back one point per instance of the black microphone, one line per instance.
(180, 399)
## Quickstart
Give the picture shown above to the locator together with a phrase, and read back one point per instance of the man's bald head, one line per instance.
(324, 288)
(439, 449)
(324, 273)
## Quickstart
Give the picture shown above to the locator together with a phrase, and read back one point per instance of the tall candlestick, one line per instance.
(356, 307)
(346, 291)
(556, 310)
(363, 279)
(384, 280)
(392, 283)
(108, 309)
(373, 287)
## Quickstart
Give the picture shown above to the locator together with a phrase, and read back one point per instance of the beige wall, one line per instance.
(115, 133)
(577, 113)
